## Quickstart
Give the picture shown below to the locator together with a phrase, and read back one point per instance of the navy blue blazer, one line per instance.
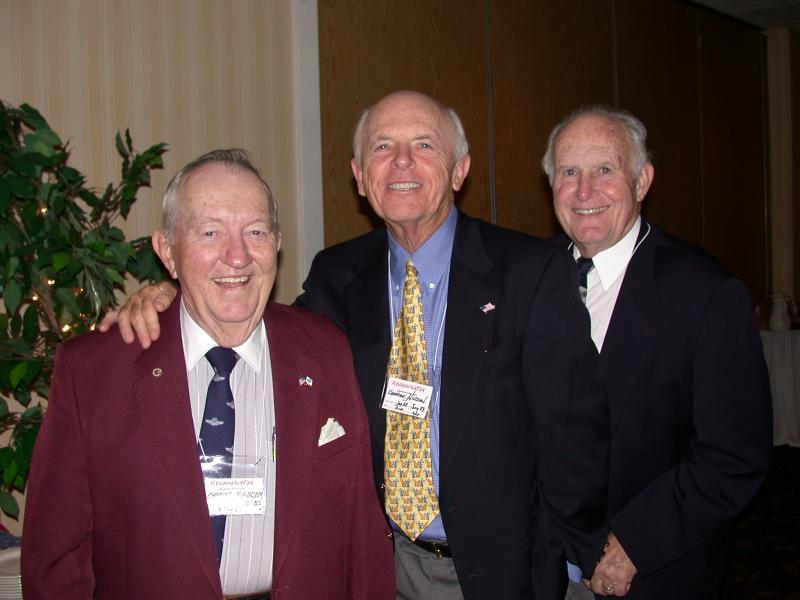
(690, 416)
(523, 419)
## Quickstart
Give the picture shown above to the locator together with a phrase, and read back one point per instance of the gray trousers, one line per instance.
(422, 576)
(578, 591)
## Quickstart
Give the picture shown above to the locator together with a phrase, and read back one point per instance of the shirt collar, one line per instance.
(432, 259)
(196, 342)
(612, 262)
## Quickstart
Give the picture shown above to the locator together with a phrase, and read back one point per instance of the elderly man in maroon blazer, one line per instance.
(173, 473)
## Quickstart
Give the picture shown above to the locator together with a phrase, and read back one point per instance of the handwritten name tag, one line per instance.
(407, 397)
(235, 496)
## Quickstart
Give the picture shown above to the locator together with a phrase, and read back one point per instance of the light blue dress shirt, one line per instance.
(432, 261)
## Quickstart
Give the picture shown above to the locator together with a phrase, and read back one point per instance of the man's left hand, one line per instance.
(614, 572)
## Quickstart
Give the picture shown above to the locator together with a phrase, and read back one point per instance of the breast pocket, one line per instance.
(334, 448)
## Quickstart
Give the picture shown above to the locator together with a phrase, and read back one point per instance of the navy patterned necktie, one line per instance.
(216, 432)
(584, 266)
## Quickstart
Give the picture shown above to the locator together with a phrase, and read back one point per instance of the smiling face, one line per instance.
(224, 252)
(408, 171)
(597, 198)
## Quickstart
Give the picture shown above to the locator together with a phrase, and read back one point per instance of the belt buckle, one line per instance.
(438, 551)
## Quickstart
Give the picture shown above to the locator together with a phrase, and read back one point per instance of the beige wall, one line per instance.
(197, 74)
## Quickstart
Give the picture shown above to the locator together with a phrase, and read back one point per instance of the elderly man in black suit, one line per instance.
(688, 394)
(515, 431)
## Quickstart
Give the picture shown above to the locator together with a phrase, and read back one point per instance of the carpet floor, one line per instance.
(765, 554)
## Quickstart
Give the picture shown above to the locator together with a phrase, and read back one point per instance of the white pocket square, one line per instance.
(330, 431)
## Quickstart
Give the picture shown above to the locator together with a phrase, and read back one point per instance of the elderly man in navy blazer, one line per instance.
(135, 490)
(690, 417)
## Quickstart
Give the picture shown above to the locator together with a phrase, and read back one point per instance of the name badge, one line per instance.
(407, 397)
(235, 496)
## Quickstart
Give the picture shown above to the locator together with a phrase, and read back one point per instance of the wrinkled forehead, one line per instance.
(412, 117)
(592, 136)
(221, 178)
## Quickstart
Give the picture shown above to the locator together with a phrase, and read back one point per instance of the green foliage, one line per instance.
(61, 261)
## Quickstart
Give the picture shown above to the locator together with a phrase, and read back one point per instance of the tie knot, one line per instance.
(411, 270)
(222, 359)
(584, 266)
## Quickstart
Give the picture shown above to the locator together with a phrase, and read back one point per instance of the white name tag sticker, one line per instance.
(407, 397)
(235, 496)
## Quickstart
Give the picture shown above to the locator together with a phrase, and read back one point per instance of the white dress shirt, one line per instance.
(604, 281)
(246, 564)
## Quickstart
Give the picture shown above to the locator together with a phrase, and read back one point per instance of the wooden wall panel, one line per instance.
(368, 49)
(702, 106)
(794, 57)
(658, 82)
(733, 164)
(547, 60)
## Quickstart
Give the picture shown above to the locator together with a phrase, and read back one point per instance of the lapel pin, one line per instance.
(306, 380)
(487, 307)
(157, 372)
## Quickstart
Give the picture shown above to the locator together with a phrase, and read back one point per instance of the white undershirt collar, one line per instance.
(612, 262)
(196, 342)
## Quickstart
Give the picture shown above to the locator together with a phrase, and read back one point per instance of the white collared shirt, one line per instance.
(604, 281)
(246, 565)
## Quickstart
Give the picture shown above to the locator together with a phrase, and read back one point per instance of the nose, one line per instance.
(584, 187)
(236, 253)
(403, 158)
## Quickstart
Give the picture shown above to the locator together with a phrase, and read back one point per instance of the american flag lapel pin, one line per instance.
(487, 307)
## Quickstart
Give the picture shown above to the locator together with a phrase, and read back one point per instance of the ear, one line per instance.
(644, 181)
(358, 173)
(164, 251)
(460, 172)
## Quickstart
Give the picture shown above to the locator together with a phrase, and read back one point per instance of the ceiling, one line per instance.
(766, 14)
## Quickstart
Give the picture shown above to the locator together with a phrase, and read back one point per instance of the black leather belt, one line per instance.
(439, 549)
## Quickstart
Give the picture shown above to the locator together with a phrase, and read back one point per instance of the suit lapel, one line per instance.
(468, 334)
(368, 330)
(631, 330)
(162, 397)
(296, 408)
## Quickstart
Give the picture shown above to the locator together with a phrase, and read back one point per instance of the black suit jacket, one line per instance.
(690, 416)
(513, 399)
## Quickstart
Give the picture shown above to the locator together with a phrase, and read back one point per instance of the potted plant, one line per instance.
(61, 262)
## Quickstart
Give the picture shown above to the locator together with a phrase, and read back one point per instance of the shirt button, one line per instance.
(432, 286)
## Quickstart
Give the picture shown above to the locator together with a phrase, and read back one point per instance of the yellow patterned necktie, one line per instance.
(410, 496)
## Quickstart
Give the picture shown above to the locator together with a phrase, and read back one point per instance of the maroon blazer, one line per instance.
(116, 503)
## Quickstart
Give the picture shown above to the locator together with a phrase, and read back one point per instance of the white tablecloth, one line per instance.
(782, 352)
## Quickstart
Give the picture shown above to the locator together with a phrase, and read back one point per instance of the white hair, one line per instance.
(634, 129)
(235, 158)
(460, 143)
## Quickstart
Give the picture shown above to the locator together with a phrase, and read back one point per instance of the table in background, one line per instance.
(782, 352)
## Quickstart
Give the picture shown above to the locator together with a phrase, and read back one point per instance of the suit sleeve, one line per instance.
(727, 458)
(371, 549)
(57, 553)
(570, 412)
(318, 293)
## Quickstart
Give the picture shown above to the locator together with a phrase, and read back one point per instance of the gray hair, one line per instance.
(460, 143)
(634, 129)
(235, 158)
